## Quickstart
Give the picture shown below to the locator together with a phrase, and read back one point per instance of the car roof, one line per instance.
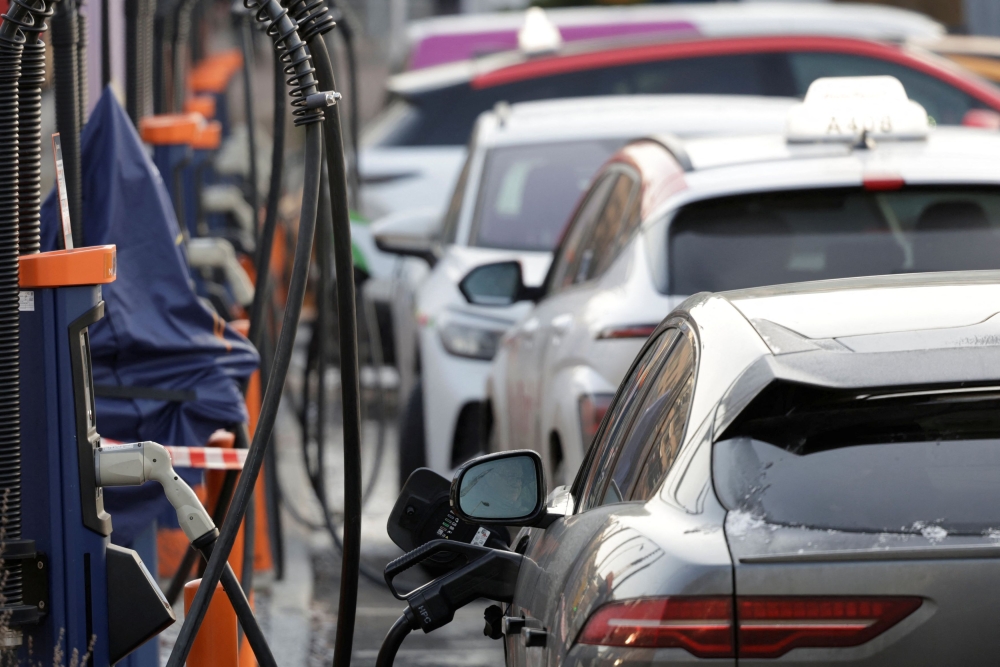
(742, 164)
(508, 67)
(711, 167)
(875, 305)
(629, 116)
(441, 39)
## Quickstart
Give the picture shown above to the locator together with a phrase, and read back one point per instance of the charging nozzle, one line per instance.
(139, 462)
(489, 573)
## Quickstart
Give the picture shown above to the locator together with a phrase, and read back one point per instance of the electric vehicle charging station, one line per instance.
(68, 588)
(75, 591)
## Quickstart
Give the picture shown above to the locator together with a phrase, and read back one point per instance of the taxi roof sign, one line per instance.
(849, 109)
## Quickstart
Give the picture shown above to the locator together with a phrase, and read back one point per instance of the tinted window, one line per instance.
(599, 247)
(445, 116)
(567, 262)
(785, 237)
(528, 192)
(945, 104)
(651, 444)
(903, 464)
(620, 417)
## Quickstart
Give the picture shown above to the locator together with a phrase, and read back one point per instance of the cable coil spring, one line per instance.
(292, 51)
(314, 18)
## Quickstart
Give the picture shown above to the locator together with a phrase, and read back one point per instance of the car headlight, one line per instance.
(472, 342)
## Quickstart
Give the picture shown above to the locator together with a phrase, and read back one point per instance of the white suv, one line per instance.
(528, 165)
(852, 189)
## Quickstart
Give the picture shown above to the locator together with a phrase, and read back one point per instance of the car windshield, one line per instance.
(785, 237)
(528, 192)
(910, 462)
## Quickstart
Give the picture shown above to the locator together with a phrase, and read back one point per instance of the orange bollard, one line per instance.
(216, 643)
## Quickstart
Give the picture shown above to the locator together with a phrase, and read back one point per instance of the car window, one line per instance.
(621, 414)
(591, 248)
(923, 459)
(599, 249)
(454, 212)
(945, 104)
(650, 445)
(528, 192)
(794, 236)
(578, 231)
(631, 223)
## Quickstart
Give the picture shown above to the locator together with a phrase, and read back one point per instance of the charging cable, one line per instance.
(136, 463)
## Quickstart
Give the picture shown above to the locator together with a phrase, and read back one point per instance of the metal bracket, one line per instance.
(34, 583)
(322, 100)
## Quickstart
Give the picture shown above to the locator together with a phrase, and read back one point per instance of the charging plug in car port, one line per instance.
(488, 573)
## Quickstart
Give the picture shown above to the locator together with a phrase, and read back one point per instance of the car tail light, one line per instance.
(701, 625)
(627, 331)
(771, 626)
(593, 407)
(767, 627)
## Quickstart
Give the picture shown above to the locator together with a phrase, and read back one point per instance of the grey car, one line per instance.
(803, 474)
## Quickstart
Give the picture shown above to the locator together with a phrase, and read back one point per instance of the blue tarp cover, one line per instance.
(155, 331)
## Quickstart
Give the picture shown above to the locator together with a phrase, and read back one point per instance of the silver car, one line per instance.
(806, 473)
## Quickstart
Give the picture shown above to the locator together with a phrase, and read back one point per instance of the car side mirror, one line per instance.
(497, 284)
(410, 233)
(506, 488)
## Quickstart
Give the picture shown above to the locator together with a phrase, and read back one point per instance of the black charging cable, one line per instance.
(309, 103)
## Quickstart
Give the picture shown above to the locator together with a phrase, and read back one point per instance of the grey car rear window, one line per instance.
(897, 463)
(783, 237)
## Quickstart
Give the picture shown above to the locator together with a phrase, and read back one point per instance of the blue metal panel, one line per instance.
(54, 513)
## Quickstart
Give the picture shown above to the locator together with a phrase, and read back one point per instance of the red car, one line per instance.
(443, 102)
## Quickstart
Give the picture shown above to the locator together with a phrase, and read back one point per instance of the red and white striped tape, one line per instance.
(207, 458)
(204, 458)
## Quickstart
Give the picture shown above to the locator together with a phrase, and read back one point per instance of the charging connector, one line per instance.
(139, 462)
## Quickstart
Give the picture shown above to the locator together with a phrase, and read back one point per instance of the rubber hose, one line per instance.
(10, 394)
(81, 68)
(244, 613)
(394, 639)
(218, 516)
(375, 354)
(146, 43)
(133, 10)
(29, 108)
(350, 390)
(272, 397)
(65, 33)
(105, 44)
(246, 45)
(178, 48)
(353, 102)
(324, 254)
(266, 242)
(249, 523)
(272, 487)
